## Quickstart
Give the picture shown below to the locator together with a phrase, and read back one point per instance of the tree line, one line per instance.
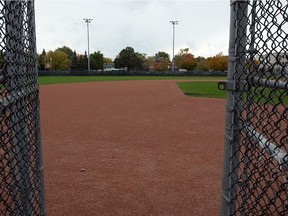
(64, 58)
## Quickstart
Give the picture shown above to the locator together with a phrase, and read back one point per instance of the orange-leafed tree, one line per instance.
(218, 62)
(159, 62)
(185, 60)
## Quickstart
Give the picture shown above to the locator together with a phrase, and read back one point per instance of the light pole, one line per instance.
(88, 21)
(173, 23)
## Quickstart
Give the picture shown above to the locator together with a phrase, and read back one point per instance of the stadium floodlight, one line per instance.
(173, 23)
(88, 21)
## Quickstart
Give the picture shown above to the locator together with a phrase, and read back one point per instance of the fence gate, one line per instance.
(255, 171)
(21, 175)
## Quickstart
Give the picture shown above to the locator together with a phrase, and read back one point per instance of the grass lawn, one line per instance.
(258, 95)
(202, 89)
(46, 80)
(268, 96)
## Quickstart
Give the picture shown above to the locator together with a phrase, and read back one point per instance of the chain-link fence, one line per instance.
(255, 175)
(21, 169)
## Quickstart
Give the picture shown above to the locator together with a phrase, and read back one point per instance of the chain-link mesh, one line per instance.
(21, 174)
(255, 176)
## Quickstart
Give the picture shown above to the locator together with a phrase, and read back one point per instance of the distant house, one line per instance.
(111, 67)
(274, 64)
(108, 66)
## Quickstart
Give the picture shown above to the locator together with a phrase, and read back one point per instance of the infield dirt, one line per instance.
(131, 148)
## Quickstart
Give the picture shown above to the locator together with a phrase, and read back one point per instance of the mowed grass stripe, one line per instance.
(257, 95)
(46, 80)
(202, 89)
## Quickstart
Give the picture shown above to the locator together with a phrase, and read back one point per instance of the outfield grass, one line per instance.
(210, 89)
(77, 79)
(268, 96)
(202, 89)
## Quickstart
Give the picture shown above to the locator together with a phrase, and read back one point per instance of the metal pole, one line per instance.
(88, 39)
(173, 62)
(36, 117)
(88, 21)
(250, 74)
(233, 127)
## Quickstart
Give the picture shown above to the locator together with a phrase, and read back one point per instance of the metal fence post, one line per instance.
(249, 76)
(235, 84)
(21, 176)
(36, 108)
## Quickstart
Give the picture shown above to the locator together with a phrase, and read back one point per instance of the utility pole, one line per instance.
(173, 23)
(88, 21)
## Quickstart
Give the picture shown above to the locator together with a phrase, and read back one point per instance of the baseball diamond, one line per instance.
(131, 148)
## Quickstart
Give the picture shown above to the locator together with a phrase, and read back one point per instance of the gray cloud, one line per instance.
(144, 25)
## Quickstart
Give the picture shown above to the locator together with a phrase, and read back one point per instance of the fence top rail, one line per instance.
(270, 83)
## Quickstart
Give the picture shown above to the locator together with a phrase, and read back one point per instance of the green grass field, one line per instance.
(209, 89)
(202, 89)
(268, 96)
(77, 79)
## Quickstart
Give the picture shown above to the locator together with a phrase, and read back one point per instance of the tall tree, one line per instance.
(149, 63)
(159, 62)
(82, 62)
(66, 50)
(162, 55)
(218, 62)
(97, 61)
(202, 64)
(129, 59)
(69, 53)
(58, 60)
(185, 60)
(41, 60)
(74, 61)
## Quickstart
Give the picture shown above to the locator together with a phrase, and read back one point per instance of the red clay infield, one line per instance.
(131, 148)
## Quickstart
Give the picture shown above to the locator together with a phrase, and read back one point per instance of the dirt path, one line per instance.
(131, 148)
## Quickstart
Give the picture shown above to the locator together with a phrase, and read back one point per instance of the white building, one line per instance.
(275, 64)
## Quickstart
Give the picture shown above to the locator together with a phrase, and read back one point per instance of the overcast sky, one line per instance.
(142, 24)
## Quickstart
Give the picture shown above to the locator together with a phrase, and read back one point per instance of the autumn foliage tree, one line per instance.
(64, 58)
(218, 62)
(185, 60)
(159, 62)
(148, 63)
